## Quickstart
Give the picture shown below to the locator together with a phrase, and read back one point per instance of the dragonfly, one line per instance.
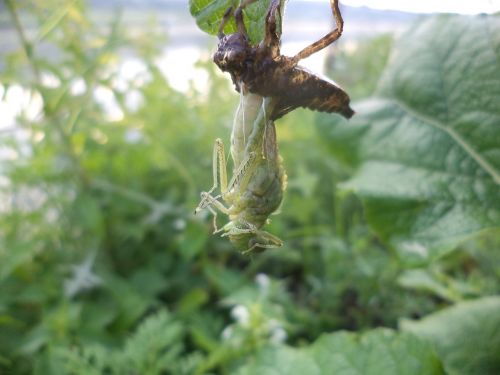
(270, 86)
(264, 71)
(259, 180)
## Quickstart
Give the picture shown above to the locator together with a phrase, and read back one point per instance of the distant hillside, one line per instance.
(295, 9)
(304, 19)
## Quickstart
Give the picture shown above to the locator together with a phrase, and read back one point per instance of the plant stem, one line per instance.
(28, 50)
(27, 46)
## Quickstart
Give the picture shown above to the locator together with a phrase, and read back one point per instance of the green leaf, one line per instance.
(192, 301)
(192, 240)
(466, 336)
(281, 360)
(380, 351)
(155, 346)
(12, 258)
(424, 280)
(209, 13)
(426, 149)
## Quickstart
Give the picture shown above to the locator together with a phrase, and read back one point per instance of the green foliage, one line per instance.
(424, 147)
(466, 336)
(153, 349)
(380, 351)
(98, 240)
(209, 13)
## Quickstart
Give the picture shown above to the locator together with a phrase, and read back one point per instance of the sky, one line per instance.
(429, 6)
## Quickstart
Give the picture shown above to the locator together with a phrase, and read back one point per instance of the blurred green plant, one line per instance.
(98, 240)
(423, 145)
(464, 335)
(153, 349)
(359, 65)
(380, 351)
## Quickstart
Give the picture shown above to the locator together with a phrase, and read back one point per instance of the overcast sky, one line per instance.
(429, 6)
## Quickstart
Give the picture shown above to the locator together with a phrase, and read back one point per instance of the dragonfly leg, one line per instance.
(219, 164)
(210, 203)
(256, 245)
(272, 39)
(214, 215)
(231, 229)
(207, 201)
(327, 39)
(225, 18)
(238, 16)
(219, 174)
(262, 239)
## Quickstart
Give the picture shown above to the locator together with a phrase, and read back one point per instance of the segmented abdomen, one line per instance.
(263, 197)
(294, 86)
(264, 192)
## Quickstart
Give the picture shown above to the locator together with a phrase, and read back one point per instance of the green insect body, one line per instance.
(259, 179)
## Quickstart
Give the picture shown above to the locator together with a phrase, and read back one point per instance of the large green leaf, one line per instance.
(466, 336)
(208, 15)
(426, 148)
(380, 351)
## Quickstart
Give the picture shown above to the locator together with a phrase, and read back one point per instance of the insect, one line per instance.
(264, 71)
(259, 179)
(270, 85)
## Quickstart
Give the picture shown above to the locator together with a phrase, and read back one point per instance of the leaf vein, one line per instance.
(483, 163)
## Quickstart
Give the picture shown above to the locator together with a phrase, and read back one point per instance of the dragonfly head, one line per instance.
(232, 53)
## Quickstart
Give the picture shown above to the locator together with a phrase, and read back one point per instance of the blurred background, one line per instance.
(108, 113)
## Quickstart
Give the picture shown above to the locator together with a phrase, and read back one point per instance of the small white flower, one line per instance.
(179, 224)
(278, 335)
(241, 314)
(77, 87)
(276, 331)
(107, 100)
(50, 80)
(134, 100)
